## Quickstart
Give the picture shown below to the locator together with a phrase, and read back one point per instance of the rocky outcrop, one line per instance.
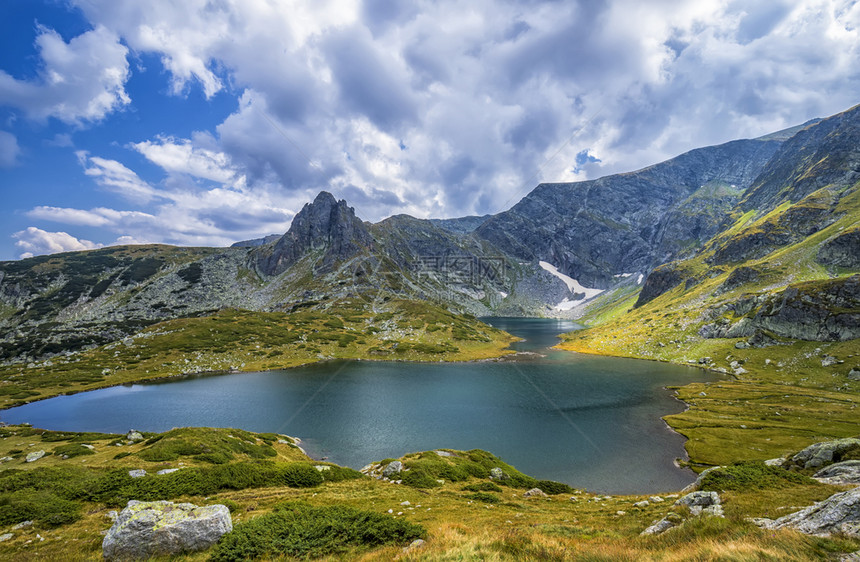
(824, 153)
(841, 473)
(840, 513)
(327, 226)
(161, 528)
(824, 453)
(815, 212)
(843, 250)
(826, 310)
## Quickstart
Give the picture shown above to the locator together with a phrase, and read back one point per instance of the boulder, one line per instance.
(707, 503)
(845, 472)
(535, 493)
(497, 473)
(394, 467)
(162, 528)
(34, 456)
(134, 435)
(840, 513)
(137, 473)
(854, 374)
(820, 454)
(695, 485)
(657, 527)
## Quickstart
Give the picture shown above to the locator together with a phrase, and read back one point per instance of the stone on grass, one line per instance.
(137, 473)
(134, 435)
(845, 472)
(34, 456)
(164, 471)
(497, 473)
(6, 536)
(162, 528)
(699, 502)
(643, 503)
(535, 493)
(394, 467)
(695, 485)
(820, 454)
(840, 513)
(854, 374)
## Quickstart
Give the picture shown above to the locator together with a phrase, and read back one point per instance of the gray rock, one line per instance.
(643, 503)
(134, 435)
(820, 454)
(845, 472)
(656, 499)
(166, 471)
(659, 527)
(497, 473)
(322, 467)
(22, 524)
(697, 502)
(840, 513)
(6, 536)
(137, 473)
(535, 493)
(854, 374)
(828, 361)
(852, 557)
(775, 462)
(34, 456)
(394, 467)
(695, 485)
(162, 528)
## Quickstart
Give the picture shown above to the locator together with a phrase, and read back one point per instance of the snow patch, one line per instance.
(504, 294)
(639, 281)
(572, 284)
(623, 275)
(568, 304)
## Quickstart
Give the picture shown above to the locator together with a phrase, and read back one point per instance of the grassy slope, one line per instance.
(786, 399)
(235, 340)
(459, 526)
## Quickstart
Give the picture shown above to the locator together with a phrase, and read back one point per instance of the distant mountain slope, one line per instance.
(631, 222)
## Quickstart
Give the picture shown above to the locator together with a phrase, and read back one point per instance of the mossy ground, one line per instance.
(237, 340)
(459, 525)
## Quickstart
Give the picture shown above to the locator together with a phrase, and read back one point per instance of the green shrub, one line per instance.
(483, 497)
(751, 475)
(303, 531)
(418, 478)
(481, 487)
(73, 450)
(551, 487)
(36, 505)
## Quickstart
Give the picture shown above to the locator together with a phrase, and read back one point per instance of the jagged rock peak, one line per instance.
(327, 225)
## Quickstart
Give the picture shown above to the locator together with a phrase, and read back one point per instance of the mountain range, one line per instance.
(566, 249)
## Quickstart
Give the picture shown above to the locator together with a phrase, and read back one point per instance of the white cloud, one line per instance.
(95, 217)
(181, 156)
(452, 108)
(116, 177)
(82, 80)
(9, 150)
(35, 241)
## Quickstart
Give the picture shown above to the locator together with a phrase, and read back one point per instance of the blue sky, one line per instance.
(205, 122)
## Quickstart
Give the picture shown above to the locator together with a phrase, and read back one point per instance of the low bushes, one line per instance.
(302, 531)
(751, 475)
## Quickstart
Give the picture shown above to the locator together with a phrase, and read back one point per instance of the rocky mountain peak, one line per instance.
(326, 225)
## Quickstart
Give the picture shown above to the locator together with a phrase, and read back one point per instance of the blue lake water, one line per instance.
(592, 422)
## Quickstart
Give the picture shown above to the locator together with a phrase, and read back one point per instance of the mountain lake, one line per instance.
(591, 422)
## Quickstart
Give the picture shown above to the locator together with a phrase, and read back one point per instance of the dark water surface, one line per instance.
(592, 422)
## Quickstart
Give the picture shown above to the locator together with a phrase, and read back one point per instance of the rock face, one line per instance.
(840, 513)
(826, 310)
(629, 222)
(845, 472)
(162, 528)
(820, 454)
(826, 152)
(842, 250)
(325, 225)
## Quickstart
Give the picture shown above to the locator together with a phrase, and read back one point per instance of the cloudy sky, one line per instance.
(203, 122)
